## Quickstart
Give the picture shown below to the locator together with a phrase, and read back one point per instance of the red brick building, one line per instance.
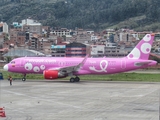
(77, 50)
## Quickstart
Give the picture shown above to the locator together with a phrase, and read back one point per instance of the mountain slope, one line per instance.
(94, 14)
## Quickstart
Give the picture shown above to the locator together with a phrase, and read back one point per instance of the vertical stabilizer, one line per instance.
(143, 48)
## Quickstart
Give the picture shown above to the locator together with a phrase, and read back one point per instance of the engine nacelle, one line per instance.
(52, 74)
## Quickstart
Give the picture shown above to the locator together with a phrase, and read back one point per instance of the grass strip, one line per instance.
(146, 77)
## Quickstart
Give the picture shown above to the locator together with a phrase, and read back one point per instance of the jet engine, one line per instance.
(52, 74)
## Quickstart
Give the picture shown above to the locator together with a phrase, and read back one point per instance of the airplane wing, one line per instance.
(70, 69)
(141, 63)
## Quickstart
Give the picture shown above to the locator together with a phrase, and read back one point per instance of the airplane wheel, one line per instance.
(23, 79)
(72, 80)
(77, 79)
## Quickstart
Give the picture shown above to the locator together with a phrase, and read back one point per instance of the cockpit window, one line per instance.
(12, 62)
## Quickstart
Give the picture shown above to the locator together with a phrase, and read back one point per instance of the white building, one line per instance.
(32, 26)
(30, 22)
(61, 32)
(3, 27)
(97, 50)
(94, 38)
(3, 32)
(90, 32)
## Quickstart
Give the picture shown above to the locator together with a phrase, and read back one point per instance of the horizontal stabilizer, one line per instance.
(141, 63)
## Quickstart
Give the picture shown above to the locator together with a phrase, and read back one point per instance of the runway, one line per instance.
(86, 100)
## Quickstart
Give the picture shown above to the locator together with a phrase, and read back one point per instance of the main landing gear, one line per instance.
(76, 79)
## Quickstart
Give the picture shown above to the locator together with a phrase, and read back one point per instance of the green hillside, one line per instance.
(95, 14)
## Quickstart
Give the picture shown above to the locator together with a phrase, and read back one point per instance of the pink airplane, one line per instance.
(54, 67)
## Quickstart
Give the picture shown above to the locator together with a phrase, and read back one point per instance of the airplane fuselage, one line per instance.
(53, 68)
(37, 65)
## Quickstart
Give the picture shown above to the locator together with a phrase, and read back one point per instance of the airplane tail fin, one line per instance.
(143, 48)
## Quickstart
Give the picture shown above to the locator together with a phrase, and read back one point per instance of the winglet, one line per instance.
(70, 69)
(83, 61)
(141, 63)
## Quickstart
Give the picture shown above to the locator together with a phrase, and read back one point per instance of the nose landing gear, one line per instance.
(24, 77)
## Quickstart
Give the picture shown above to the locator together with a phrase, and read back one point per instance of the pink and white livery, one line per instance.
(53, 67)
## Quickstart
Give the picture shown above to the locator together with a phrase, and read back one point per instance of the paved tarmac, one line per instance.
(86, 100)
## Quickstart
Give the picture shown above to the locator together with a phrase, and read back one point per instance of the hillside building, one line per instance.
(77, 50)
(3, 28)
(61, 32)
(58, 50)
(32, 26)
(97, 50)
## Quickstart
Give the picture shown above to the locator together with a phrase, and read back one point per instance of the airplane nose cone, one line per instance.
(5, 67)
